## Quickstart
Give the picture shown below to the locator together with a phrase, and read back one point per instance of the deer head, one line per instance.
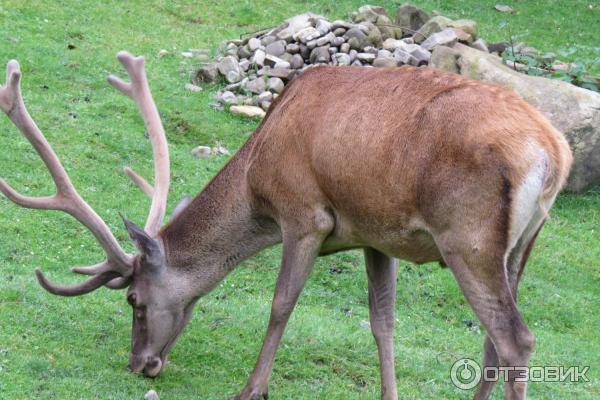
(158, 315)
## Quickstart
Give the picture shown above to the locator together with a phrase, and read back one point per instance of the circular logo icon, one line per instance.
(465, 374)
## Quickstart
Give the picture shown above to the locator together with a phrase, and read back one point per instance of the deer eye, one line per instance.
(131, 299)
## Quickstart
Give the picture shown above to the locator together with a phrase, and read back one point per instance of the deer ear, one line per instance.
(146, 245)
(181, 205)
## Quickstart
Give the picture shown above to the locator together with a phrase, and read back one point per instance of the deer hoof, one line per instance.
(255, 396)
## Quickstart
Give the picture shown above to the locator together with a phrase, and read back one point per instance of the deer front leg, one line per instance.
(299, 253)
(381, 271)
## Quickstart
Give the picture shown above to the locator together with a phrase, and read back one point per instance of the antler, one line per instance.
(116, 270)
(139, 91)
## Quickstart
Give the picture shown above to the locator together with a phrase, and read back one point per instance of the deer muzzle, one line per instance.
(151, 366)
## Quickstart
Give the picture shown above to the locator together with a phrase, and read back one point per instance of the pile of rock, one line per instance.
(257, 68)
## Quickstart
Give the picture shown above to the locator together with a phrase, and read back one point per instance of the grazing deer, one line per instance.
(410, 163)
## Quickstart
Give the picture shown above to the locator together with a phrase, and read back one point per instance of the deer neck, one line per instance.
(218, 229)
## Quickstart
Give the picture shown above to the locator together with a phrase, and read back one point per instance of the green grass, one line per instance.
(59, 348)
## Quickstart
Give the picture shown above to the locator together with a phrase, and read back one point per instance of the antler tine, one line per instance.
(138, 180)
(78, 289)
(139, 91)
(66, 198)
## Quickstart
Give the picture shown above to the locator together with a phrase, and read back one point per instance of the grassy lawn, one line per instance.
(76, 348)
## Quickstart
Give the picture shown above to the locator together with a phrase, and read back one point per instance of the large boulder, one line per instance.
(411, 18)
(572, 110)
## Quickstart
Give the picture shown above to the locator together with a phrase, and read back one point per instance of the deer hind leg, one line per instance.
(381, 272)
(515, 265)
(300, 248)
(482, 276)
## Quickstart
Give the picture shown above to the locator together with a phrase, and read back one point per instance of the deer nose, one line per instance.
(136, 363)
(153, 366)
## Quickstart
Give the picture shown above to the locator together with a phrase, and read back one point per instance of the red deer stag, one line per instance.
(410, 163)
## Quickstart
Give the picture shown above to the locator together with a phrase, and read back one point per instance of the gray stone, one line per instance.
(295, 24)
(408, 40)
(247, 111)
(264, 96)
(345, 48)
(230, 68)
(323, 26)
(447, 37)
(151, 395)
(282, 64)
(255, 86)
(265, 105)
(463, 36)
(369, 13)
(357, 63)
(228, 97)
(341, 59)
(275, 85)
(392, 44)
(327, 39)
(271, 60)
(404, 57)
(297, 61)
(244, 65)
(230, 50)
(503, 8)
(304, 52)
(371, 49)
(320, 55)
(435, 24)
(385, 62)
(421, 56)
(374, 35)
(244, 52)
(445, 58)
(387, 28)
(353, 54)
(311, 44)
(234, 87)
(480, 44)
(292, 48)
(234, 76)
(356, 38)
(354, 43)
(267, 40)
(466, 25)
(411, 18)
(254, 44)
(366, 57)
(337, 41)
(339, 31)
(384, 54)
(572, 110)
(338, 23)
(333, 50)
(258, 58)
(307, 34)
(276, 48)
(286, 57)
(209, 73)
(283, 73)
